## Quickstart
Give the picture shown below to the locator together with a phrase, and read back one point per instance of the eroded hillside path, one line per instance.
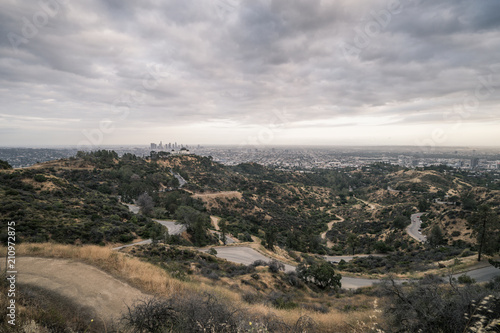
(372, 205)
(330, 225)
(215, 222)
(86, 285)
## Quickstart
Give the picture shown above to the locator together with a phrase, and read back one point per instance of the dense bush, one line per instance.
(197, 312)
(430, 305)
(67, 212)
(320, 273)
(401, 262)
(4, 165)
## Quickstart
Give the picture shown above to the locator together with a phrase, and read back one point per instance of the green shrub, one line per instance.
(40, 178)
(319, 272)
(465, 279)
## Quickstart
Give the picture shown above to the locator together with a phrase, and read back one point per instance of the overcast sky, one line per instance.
(268, 72)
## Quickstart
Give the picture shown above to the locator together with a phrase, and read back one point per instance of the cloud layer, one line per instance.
(224, 71)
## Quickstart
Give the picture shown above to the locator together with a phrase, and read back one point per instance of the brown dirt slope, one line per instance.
(85, 284)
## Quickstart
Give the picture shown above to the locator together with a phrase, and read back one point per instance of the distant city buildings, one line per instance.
(474, 162)
(288, 158)
(174, 148)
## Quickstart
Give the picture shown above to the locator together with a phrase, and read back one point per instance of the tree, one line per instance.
(382, 247)
(5, 165)
(436, 237)
(271, 238)
(166, 236)
(146, 203)
(223, 230)
(468, 201)
(321, 273)
(353, 242)
(486, 228)
(196, 222)
(400, 222)
(157, 233)
(423, 205)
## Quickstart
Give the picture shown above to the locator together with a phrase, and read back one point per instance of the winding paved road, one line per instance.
(412, 229)
(173, 227)
(181, 180)
(133, 208)
(245, 255)
(482, 274)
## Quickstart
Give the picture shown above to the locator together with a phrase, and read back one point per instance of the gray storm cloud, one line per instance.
(190, 62)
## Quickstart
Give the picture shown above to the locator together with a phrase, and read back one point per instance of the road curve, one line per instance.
(173, 227)
(133, 208)
(412, 229)
(245, 255)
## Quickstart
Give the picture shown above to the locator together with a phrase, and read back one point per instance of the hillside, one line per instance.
(293, 217)
(77, 201)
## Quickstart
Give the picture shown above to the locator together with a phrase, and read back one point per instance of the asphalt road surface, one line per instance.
(482, 274)
(181, 180)
(412, 229)
(172, 226)
(245, 255)
(337, 259)
(133, 208)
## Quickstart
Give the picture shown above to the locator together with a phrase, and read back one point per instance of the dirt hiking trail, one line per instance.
(82, 283)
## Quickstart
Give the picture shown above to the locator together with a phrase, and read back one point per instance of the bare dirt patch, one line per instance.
(223, 194)
(215, 222)
(82, 283)
(211, 199)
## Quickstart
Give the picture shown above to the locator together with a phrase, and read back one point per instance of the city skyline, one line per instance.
(256, 73)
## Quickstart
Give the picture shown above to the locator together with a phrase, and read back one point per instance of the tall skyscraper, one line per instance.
(474, 162)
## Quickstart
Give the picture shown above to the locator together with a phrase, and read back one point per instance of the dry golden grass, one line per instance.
(211, 199)
(222, 195)
(45, 186)
(154, 280)
(144, 276)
